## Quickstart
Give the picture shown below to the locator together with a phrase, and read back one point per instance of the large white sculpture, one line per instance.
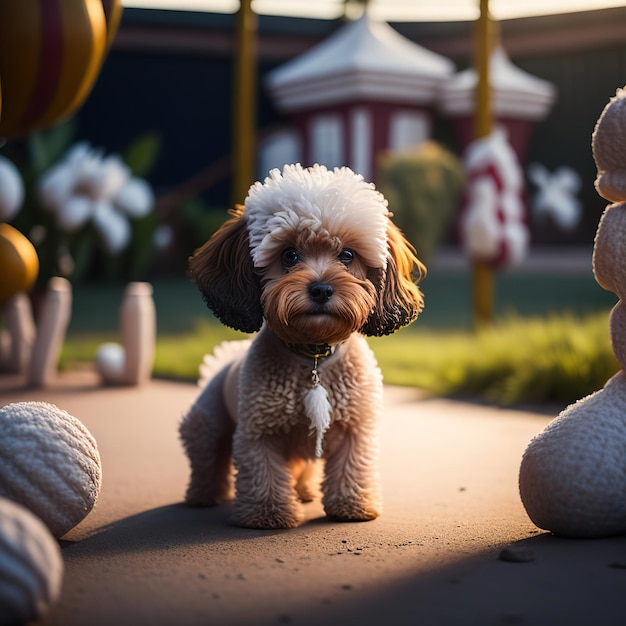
(573, 475)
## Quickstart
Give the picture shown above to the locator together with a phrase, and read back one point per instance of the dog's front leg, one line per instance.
(264, 487)
(351, 485)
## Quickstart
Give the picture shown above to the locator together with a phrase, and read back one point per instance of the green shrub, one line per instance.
(423, 188)
(556, 359)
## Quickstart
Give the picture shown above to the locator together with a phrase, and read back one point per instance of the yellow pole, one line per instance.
(482, 272)
(244, 98)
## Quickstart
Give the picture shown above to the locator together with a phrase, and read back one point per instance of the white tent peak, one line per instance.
(515, 92)
(364, 58)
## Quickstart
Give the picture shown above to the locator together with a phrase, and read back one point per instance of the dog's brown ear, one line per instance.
(399, 298)
(223, 270)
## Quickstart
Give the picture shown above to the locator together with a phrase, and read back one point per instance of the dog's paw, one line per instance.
(200, 497)
(267, 517)
(351, 510)
(200, 501)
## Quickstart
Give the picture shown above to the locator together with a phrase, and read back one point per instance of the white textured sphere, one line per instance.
(49, 463)
(573, 475)
(110, 361)
(31, 568)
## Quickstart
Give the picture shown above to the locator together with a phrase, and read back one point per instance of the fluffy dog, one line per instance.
(314, 263)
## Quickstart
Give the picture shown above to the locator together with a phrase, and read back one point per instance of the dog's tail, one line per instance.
(223, 354)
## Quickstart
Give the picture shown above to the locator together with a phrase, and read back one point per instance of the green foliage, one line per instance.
(423, 188)
(47, 146)
(179, 357)
(556, 359)
(142, 154)
(198, 222)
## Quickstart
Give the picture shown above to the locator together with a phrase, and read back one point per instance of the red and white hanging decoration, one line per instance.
(492, 223)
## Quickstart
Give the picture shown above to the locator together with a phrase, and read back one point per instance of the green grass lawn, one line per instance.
(550, 340)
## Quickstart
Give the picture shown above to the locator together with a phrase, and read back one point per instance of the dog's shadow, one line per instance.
(169, 526)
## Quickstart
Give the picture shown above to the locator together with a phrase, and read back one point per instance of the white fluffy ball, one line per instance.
(49, 463)
(110, 361)
(31, 568)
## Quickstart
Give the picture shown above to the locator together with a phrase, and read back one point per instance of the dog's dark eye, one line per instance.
(289, 257)
(346, 256)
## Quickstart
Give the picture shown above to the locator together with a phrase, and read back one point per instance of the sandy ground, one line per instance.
(449, 472)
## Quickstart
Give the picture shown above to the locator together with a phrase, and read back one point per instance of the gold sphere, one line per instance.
(19, 263)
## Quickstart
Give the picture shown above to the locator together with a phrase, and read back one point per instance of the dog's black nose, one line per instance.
(320, 292)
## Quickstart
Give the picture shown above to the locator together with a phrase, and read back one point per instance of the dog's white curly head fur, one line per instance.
(330, 203)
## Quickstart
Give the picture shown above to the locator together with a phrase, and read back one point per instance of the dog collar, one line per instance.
(312, 350)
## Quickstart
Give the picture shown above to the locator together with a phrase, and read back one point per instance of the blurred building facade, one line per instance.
(171, 72)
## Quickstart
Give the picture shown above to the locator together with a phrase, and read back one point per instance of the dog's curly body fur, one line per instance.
(312, 260)
(272, 444)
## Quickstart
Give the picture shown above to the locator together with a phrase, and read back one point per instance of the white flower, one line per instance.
(112, 176)
(11, 190)
(74, 213)
(135, 198)
(56, 186)
(78, 152)
(112, 226)
(86, 186)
